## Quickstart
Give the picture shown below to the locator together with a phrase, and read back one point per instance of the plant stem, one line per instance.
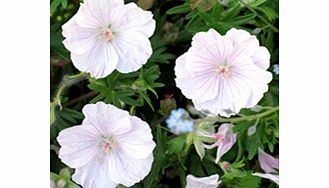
(159, 121)
(165, 128)
(67, 82)
(244, 118)
(260, 17)
(80, 98)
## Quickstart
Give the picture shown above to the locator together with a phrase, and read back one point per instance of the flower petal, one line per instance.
(78, 145)
(267, 162)
(257, 80)
(132, 19)
(208, 49)
(232, 96)
(96, 13)
(133, 50)
(229, 140)
(138, 142)
(99, 61)
(107, 118)
(127, 171)
(242, 38)
(181, 75)
(92, 176)
(262, 58)
(203, 84)
(78, 40)
(203, 182)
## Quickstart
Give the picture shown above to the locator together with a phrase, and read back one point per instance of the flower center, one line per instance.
(223, 69)
(105, 34)
(107, 144)
(218, 137)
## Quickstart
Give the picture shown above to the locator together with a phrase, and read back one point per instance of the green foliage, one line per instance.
(63, 118)
(127, 89)
(160, 160)
(266, 134)
(176, 145)
(63, 179)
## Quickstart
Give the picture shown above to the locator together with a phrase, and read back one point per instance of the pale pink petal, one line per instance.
(99, 61)
(229, 140)
(242, 38)
(274, 178)
(205, 87)
(202, 182)
(181, 75)
(96, 13)
(79, 145)
(135, 145)
(92, 176)
(267, 162)
(262, 58)
(208, 49)
(127, 171)
(78, 39)
(132, 19)
(232, 96)
(257, 80)
(108, 119)
(133, 51)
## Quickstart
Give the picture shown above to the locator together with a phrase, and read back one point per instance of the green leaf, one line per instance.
(54, 4)
(249, 181)
(176, 144)
(159, 159)
(199, 146)
(65, 174)
(268, 11)
(180, 9)
(148, 100)
(64, 3)
(241, 20)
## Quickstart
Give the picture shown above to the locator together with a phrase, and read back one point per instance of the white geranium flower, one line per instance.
(204, 182)
(109, 148)
(105, 35)
(222, 74)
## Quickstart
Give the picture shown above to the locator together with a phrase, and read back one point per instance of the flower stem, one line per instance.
(67, 82)
(244, 118)
(260, 17)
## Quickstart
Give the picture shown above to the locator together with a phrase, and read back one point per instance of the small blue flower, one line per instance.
(185, 126)
(172, 121)
(177, 113)
(178, 123)
(276, 69)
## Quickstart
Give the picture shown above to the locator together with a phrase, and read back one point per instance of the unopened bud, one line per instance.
(226, 165)
(167, 104)
(202, 5)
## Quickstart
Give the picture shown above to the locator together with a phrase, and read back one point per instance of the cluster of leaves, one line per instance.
(175, 156)
(131, 89)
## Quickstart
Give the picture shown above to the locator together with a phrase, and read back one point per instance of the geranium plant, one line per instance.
(164, 93)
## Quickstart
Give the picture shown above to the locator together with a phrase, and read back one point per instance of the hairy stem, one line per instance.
(65, 83)
(244, 118)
